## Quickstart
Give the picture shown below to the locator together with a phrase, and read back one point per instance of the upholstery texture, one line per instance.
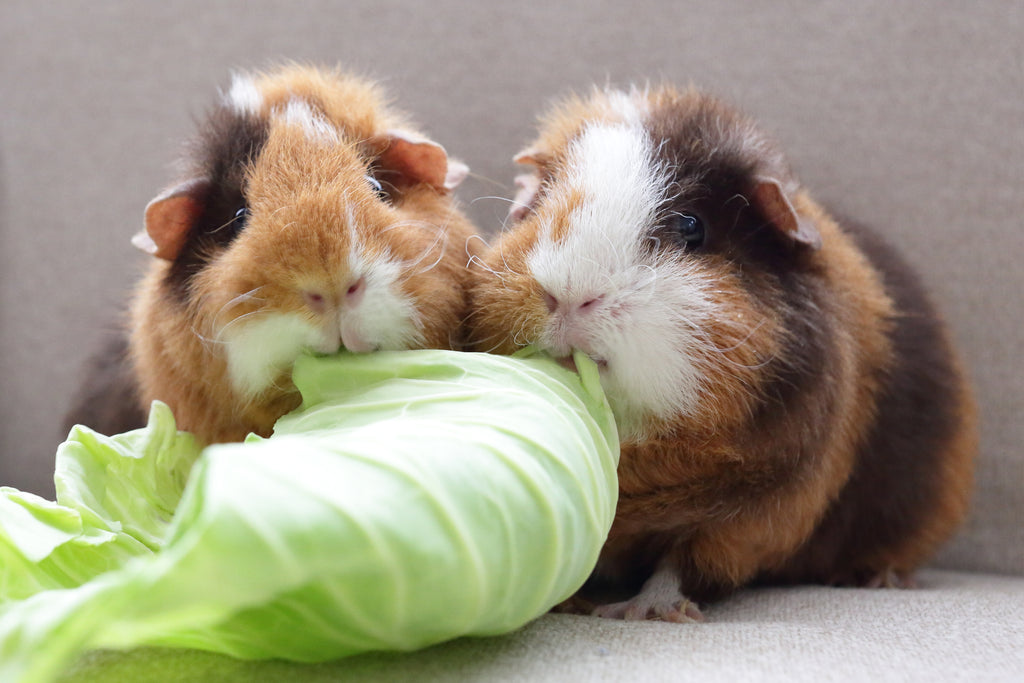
(956, 627)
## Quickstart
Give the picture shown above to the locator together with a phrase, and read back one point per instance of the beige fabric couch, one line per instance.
(909, 116)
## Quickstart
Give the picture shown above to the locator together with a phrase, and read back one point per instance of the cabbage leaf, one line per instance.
(414, 497)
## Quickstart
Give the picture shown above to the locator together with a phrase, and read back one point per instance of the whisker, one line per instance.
(224, 225)
(486, 179)
(411, 223)
(504, 262)
(241, 298)
(239, 319)
(207, 341)
(476, 260)
(486, 244)
(440, 240)
(496, 198)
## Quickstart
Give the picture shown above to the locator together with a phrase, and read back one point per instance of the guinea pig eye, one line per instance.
(689, 229)
(376, 187)
(241, 216)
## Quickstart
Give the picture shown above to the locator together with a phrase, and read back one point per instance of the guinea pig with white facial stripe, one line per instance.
(790, 406)
(310, 217)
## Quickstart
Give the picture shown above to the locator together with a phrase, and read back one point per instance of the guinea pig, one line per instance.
(789, 403)
(310, 217)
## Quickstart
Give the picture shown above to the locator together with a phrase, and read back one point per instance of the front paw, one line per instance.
(679, 611)
(659, 599)
(892, 578)
(875, 578)
(574, 605)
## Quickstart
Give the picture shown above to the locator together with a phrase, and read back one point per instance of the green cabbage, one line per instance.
(413, 498)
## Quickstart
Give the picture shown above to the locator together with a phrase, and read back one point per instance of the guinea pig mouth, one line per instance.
(569, 363)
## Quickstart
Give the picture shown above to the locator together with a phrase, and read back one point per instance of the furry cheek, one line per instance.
(656, 352)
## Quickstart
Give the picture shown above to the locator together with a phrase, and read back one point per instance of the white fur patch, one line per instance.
(385, 318)
(631, 106)
(300, 113)
(645, 311)
(259, 348)
(262, 345)
(244, 97)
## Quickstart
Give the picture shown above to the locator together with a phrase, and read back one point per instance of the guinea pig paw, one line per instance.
(680, 610)
(891, 578)
(659, 599)
(574, 605)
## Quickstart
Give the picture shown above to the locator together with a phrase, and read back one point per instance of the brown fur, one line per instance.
(774, 476)
(107, 399)
(302, 196)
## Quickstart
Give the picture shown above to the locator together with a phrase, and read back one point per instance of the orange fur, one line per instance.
(303, 196)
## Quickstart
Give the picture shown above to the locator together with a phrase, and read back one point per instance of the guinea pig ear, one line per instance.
(170, 217)
(531, 156)
(770, 199)
(457, 172)
(527, 189)
(527, 184)
(415, 160)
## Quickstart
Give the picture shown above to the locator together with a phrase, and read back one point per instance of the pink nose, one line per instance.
(316, 301)
(319, 301)
(553, 304)
(355, 291)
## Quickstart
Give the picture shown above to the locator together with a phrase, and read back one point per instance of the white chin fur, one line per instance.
(260, 348)
(651, 310)
(655, 351)
(386, 317)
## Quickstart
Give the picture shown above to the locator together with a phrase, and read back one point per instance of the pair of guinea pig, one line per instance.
(790, 406)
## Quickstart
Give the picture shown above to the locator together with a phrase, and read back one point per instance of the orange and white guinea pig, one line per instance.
(790, 406)
(310, 217)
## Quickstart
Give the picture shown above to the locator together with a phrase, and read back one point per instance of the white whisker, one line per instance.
(496, 198)
(235, 321)
(241, 298)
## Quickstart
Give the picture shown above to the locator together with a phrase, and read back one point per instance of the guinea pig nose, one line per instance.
(552, 303)
(549, 301)
(354, 292)
(316, 301)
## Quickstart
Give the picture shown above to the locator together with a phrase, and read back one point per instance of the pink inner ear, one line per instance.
(457, 172)
(170, 217)
(770, 199)
(416, 160)
(531, 156)
(527, 187)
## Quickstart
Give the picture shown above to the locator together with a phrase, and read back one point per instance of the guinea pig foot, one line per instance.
(679, 611)
(659, 599)
(891, 578)
(574, 605)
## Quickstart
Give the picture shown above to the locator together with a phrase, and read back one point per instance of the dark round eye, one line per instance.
(376, 187)
(241, 216)
(689, 229)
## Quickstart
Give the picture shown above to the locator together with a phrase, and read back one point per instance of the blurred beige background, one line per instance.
(905, 114)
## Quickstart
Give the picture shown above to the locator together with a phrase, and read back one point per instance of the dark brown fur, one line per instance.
(224, 148)
(923, 433)
(107, 399)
